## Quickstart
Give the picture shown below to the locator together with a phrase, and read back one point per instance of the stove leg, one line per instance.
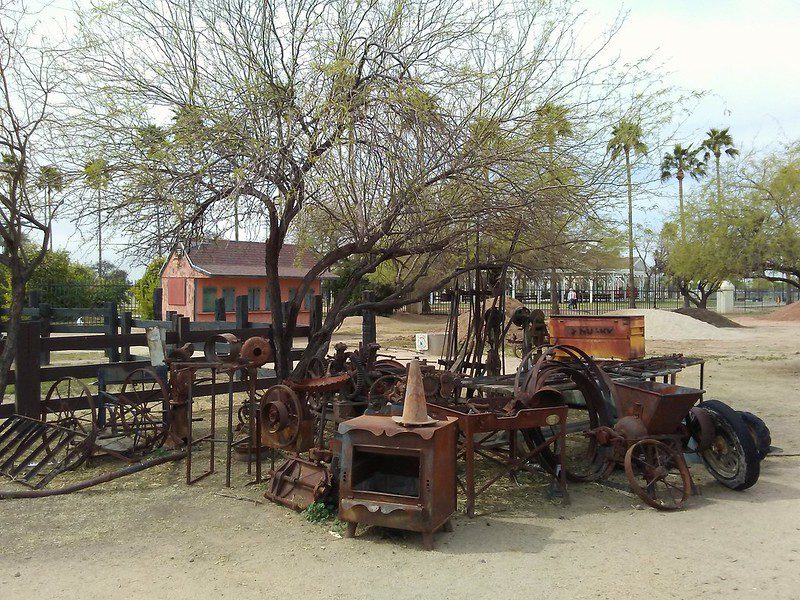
(427, 541)
(448, 526)
(350, 532)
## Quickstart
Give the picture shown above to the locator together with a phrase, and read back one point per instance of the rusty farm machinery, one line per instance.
(146, 422)
(341, 435)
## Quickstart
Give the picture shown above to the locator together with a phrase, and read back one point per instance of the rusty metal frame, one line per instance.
(229, 440)
(508, 457)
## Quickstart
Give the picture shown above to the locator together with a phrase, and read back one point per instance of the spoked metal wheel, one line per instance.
(585, 460)
(658, 474)
(141, 410)
(69, 405)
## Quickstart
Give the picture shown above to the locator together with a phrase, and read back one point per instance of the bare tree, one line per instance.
(380, 133)
(27, 86)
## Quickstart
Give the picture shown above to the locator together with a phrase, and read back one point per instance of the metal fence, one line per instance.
(608, 293)
(439, 302)
(85, 295)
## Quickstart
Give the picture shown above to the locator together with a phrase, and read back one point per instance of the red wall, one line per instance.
(178, 268)
(241, 286)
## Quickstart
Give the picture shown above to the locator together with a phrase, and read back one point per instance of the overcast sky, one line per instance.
(744, 54)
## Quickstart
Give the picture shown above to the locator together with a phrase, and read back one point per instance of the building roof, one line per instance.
(246, 259)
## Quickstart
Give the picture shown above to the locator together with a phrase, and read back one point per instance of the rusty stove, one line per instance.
(397, 476)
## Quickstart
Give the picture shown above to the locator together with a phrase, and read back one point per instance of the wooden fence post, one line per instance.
(219, 309)
(45, 318)
(369, 332)
(28, 387)
(126, 324)
(183, 328)
(158, 296)
(242, 319)
(110, 322)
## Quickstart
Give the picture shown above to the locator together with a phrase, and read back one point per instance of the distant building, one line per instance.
(608, 282)
(193, 279)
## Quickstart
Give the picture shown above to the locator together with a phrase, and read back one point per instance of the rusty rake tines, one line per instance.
(31, 448)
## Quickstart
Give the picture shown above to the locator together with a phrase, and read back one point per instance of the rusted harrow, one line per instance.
(34, 451)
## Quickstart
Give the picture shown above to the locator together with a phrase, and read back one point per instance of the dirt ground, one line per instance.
(151, 536)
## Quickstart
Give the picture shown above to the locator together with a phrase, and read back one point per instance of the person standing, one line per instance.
(572, 298)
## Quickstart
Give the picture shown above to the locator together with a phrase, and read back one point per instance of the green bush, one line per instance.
(143, 289)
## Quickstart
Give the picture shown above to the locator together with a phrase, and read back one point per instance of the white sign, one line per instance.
(422, 342)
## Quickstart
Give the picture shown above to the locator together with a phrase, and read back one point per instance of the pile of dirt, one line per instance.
(790, 312)
(708, 316)
(465, 318)
(668, 325)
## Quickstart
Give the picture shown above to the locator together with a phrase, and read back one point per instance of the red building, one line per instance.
(193, 279)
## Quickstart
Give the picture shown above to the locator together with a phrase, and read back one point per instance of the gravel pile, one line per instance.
(668, 325)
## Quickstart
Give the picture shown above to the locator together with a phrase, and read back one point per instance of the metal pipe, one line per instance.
(104, 478)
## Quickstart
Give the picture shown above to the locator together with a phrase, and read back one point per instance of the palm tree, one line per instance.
(96, 174)
(51, 180)
(555, 124)
(678, 163)
(717, 142)
(626, 139)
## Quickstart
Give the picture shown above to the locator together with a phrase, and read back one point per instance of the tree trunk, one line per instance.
(14, 320)
(704, 295)
(554, 310)
(317, 346)
(688, 299)
(680, 206)
(282, 333)
(49, 218)
(99, 236)
(719, 180)
(236, 218)
(631, 299)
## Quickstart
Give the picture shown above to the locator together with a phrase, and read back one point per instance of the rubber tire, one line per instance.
(749, 462)
(759, 431)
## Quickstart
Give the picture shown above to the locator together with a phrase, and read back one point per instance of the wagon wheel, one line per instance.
(58, 410)
(281, 413)
(585, 459)
(658, 474)
(141, 408)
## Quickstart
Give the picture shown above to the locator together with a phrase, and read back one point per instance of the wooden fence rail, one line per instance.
(116, 338)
